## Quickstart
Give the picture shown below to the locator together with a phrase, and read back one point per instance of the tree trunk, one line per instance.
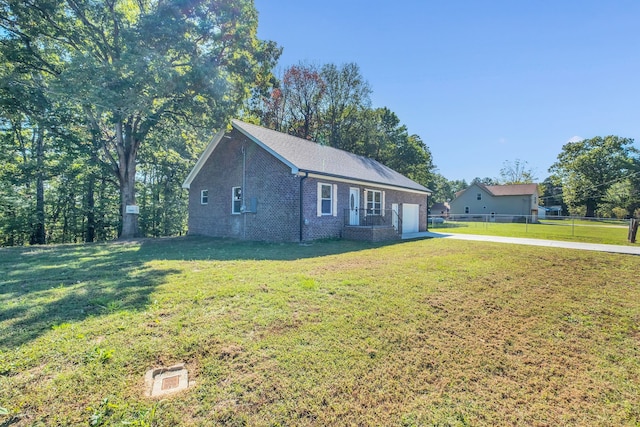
(38, 233)
(591, 208)
(128, 198)
(127, 151)
(90, 235)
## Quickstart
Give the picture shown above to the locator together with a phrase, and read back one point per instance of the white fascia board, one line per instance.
(369, 183)
(294, 168)
(203, 158)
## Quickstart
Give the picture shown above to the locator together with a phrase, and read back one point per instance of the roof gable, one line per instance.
(302, 155)
(513, 189)
(504, 190)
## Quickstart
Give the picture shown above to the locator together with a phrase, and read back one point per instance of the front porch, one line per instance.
(371, 233)
(372, 225)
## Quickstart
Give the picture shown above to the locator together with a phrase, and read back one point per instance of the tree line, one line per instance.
(107, 104)
(331, 104)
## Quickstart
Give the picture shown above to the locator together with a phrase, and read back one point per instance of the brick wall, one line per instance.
(267, 179)
(277, 192)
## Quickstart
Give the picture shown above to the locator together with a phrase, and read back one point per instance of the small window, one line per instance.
(236, 195)
(479, 196)
(374, 202)
(466, 209)
(326, 191)
(327, 199)
(204, 197)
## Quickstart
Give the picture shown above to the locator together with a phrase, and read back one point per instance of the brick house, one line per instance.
(254, 183)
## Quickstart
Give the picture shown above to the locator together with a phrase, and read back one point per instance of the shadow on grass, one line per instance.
(45, 286)
(41, 287)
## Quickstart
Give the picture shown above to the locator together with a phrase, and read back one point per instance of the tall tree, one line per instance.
(303, 89)
(347, 93)
(517, 172)
(134, 64)
(443, 189)
(588, 168)
(486, 180)
(551, 194)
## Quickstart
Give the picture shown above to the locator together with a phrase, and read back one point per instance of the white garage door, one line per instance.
(410, 218)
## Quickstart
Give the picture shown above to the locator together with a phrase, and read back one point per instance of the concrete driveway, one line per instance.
(620, 249)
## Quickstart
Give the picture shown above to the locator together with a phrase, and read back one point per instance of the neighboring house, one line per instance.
(254, 183)
(516, 200)
(555, 211)
(440, 209)
(542, 212)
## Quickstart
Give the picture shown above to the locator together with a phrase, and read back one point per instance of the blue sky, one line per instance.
(481, 82)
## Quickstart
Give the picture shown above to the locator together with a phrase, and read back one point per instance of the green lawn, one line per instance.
(606, 232)
(428, 332)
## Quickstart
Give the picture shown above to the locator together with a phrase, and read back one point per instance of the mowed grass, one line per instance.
(334, 333)
(602, 232)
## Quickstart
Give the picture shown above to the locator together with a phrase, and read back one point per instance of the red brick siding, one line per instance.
(277, 191)
(267, 179)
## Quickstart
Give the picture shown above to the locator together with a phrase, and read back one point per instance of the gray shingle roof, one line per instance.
(505, 190)
(513, 189)
(308, 156)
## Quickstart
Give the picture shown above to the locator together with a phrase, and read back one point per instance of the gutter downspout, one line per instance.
(427, 212)
(302, 178)
(243, 207)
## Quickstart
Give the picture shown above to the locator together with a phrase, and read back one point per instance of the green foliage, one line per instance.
(587, 169)
(517, 172)
(104, 77)
(331, 105)
(443, 189)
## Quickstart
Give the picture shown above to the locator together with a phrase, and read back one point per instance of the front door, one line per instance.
(394, 213)
(354, 205)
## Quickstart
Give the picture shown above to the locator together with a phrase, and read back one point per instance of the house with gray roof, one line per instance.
(506, 202)
(254, 183)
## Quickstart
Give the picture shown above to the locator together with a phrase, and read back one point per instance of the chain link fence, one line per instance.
(605, 230)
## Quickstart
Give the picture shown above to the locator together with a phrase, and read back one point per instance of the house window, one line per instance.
(374, 202)
(479, 196)
(236, 199)
(326, 199)
(466, 209)
(204, 197)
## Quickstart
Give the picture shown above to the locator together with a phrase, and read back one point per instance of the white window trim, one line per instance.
(334, 199)
(382, 200)
(203, 196)
(233, 200)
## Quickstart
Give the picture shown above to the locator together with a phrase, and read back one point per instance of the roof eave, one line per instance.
(203, 158)
(294, 168)
(348, 179)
